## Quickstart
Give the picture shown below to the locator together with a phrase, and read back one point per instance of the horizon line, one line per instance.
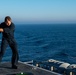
(43, 23)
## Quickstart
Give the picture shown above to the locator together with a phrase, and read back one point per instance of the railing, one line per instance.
(57, 66)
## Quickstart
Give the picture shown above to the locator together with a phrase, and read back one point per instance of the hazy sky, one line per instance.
(39, 11)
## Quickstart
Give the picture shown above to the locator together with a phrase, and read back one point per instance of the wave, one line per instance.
(39, 42)
(45, 46)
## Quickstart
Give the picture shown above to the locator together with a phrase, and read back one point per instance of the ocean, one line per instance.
(45, 41)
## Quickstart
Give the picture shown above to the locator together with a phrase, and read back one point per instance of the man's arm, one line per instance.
(1, 29)
(1, 25)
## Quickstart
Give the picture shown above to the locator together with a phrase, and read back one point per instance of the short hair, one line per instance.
(7, 18)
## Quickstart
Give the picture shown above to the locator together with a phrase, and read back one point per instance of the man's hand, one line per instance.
(1, 29)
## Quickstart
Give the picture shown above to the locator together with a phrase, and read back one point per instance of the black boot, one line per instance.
(14, 67)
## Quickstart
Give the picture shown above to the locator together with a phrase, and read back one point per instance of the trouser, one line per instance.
(13, 45)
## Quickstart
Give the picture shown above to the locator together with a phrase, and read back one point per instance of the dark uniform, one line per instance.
(8, 39)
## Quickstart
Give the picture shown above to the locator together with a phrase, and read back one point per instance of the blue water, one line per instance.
(43, 42)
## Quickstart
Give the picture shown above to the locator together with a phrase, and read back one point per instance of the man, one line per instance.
(7, 28)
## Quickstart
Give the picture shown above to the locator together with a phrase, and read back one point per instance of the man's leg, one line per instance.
(4, 45)
(15, 55)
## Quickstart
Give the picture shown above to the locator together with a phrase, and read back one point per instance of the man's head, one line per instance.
(8, 20)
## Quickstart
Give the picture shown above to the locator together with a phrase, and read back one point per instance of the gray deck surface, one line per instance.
(5, 69)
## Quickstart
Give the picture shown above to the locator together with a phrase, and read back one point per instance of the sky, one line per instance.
(38, 11)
